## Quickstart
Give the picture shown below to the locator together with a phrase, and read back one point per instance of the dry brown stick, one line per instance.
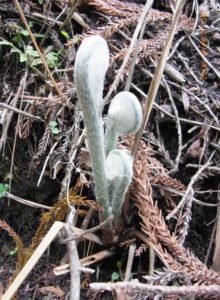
(179, 131)
(38, 98)
(17, 4)
(49, 237)
(47, 19)
(78, 236)
(129, 52)
(211, 241)
(211, 168)
(157, 77)
(75, 15)
(10, 115)
(70, 14)
(204, 58)
(26, 202)
(131, 254)
(201, 102)
(73, 257)
(50, 27)
(21, 112)
(86, 261)
(181, 193)
(156, 106)
(149, 4)
(189, 188)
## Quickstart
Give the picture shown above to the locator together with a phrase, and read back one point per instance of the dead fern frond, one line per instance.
(155, 228)
(111, 28)
(18, 242)
(184, 220)
(154, 46)
(166, 277)
(142, 248)
(136, 290)
(56, 213)
(115, 7)
(25, 124)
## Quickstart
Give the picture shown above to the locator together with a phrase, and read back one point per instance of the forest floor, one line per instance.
(171, 227)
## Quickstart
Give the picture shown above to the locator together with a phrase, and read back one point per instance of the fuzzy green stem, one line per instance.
(111, 136)
(90, 68)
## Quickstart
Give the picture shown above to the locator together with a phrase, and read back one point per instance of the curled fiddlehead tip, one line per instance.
(91, 64)
(124, 117)
(119, 163)
(119, 173)
(125, 113)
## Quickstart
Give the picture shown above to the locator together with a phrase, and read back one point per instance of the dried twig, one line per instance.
(26, 202)
(11, 113)
(189, 188)
(204, 58)
(52, 233)
(157, 77)
(129, 52)
(158, 107)
(21, 112)
(73, 257)
(131, 254)
(86, 261)
(70, 14)
(135, 54)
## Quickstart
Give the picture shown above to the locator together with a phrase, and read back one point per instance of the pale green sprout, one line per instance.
(112, 167)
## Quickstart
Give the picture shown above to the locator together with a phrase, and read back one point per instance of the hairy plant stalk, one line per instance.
(91, 64)
(119, 172)
(124, 117)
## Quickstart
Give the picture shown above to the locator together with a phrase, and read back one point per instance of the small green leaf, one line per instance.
(4, 42)
(23, 57)
(52, 56)
(36, 62)
(53, 123)
(13, 252)
(119, 264)
(55, 130)
(6, 187)
(3, 189)
(17, 40)
(24, 32)
(115, 276)
(52, 59)
(30, 51)
(31, 24)
(38, 35)
(65, 34)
